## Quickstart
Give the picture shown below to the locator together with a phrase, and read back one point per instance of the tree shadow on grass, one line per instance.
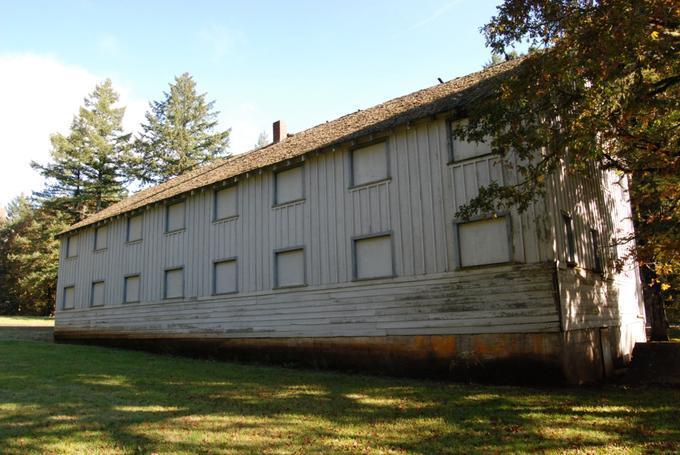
(58, 398)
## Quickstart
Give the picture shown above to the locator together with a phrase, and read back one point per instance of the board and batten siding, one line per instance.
(415, 205)
(590, 297)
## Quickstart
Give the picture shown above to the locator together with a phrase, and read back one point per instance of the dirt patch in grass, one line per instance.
(82, 399)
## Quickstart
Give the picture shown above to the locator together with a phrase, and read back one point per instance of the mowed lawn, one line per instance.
(78, 399)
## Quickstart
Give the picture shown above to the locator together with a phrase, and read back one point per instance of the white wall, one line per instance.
(416, 207)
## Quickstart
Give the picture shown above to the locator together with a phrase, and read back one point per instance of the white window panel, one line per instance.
(289, 185)
(72, 246)
(226, 203)
(134, 228)
(175, 219)
(101, 238)
(484, 242)
(225, 277)
(290, 268)
(69, 299)
(97, 298)
(373, 257)
(463, 150)
(174, 283)
(369, 164)
(132, 289)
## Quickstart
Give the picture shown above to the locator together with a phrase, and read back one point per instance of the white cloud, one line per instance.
(39, 97)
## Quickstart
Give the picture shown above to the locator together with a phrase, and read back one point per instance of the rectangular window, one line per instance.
(101, 238)
(225, 278)
(174, 217)
(373, 257)
(484, 242)
(569, 239)
(290, 268)
(69, 298)
(597, 258)
(72, 246)
(369, 164)
(97, 293)
(132, 291)
(289, 185)
(463, 150)
(225, 203)
(134, 228)
(174, 283)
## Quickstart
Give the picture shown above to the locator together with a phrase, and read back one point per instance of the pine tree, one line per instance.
(179, 134)
(90, 165)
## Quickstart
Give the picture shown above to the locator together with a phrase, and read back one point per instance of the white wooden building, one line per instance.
(339, 246)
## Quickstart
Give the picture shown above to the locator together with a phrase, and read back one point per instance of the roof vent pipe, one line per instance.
(280, 131)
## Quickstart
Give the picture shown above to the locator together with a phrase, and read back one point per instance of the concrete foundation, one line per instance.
(574, 357)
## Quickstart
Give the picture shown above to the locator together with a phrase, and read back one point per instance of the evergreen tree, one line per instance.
(179, 134)
(90, 165)
(262, 140)
(29, 258)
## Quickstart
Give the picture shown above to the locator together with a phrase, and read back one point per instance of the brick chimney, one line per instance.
(279, 132)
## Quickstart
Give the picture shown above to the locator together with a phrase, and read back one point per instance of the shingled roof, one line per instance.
(444, 97)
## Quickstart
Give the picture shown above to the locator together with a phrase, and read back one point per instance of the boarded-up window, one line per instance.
(225, 277)
(369, 164)
(569, 239)
(484, 242)
(101, 238)
(289, 185)
(72, 246)
(69, 298)
(597, 257)
(97, 296)
(174, 217)
(226, 203)
(463, 150)
(134, 228)
(132, 288)
(174, 283)
(290, 268)
(373, 257)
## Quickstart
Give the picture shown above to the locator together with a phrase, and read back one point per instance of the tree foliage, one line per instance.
(604, 88)
(89, 166)
(179, 134)
(29, 258)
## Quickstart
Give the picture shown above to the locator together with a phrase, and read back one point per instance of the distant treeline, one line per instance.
(91, 168)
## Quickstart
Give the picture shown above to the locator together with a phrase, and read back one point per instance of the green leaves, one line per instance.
(606, 89)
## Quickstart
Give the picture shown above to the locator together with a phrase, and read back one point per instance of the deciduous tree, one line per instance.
(604, 88)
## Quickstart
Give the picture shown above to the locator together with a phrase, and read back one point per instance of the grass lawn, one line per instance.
(26, 321)
(79, 399)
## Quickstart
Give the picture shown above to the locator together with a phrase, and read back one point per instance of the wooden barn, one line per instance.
(338, 246)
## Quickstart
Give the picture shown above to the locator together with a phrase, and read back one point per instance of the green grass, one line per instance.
(80, 399)
(26, 321)
(674, 333)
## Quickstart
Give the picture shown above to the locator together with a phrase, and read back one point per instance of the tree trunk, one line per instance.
(656, 312)
(654, 305)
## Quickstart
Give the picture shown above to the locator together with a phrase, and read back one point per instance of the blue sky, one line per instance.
(305, 62)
